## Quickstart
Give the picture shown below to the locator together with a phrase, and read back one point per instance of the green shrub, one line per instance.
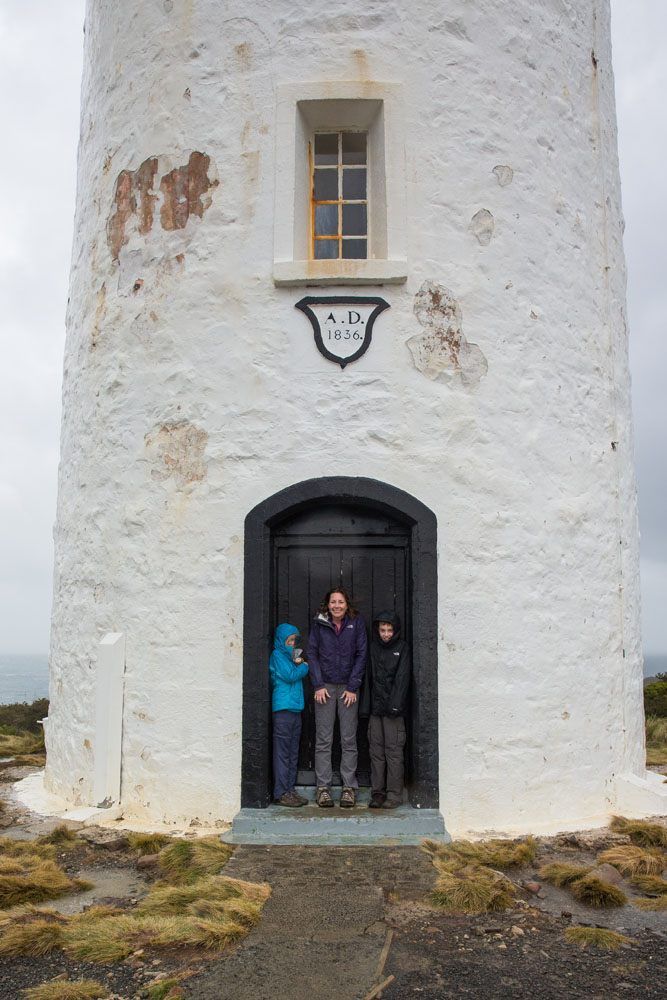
(21, 717)
(655, 698)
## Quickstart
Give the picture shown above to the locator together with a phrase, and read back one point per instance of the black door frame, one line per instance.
(360, 492)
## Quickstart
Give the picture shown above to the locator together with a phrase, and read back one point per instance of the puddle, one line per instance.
(115, 883)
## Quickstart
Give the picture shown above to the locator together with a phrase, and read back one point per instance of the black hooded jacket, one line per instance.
(387, 683)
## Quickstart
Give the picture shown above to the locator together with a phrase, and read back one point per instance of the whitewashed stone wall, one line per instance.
(193, 390)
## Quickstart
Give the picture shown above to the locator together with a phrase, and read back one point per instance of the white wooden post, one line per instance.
(108, 719)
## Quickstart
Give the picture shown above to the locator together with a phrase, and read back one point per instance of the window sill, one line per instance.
(340, 272)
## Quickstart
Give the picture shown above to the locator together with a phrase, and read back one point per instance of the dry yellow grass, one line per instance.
(633, 860)
(656, 740)
(473, 889)
(563, 874)
(188, 860)
(147, 843)
(640, 831)
(10, 848)
(37, 880)
(653, 884)
(21, 744)
(208, 914)
(598, 937)
(651, 903)
(592, 891)
(36, 936)
(65, 989)
(60, 836)
(495, 853)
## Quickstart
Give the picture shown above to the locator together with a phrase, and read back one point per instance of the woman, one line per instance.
(337, 658)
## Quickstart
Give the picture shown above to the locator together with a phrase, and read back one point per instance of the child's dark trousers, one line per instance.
(286, 736)
(386, 739)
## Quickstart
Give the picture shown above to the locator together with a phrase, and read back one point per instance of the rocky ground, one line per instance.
(357, 923)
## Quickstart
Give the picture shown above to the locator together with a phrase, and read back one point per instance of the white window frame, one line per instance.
(304, 109)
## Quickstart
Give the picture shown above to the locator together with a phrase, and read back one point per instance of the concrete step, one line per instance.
(312, 825)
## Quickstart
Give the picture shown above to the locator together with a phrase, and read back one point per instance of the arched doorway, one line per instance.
(381, 543)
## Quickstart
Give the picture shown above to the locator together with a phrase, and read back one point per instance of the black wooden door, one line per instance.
(330, 546)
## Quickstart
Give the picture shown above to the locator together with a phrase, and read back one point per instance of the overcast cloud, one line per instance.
(40, 67)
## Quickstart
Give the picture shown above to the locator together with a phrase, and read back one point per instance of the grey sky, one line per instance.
(40, 66)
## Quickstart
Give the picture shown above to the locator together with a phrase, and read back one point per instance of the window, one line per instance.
(340, 212)
(339, 216)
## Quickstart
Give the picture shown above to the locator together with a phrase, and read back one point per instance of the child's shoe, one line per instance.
(290, 800)
(348, 798)
(377, 800)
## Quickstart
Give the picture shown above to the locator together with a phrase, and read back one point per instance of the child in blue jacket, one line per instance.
(287, 703)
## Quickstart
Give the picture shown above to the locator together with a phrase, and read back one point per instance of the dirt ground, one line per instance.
(342, 922)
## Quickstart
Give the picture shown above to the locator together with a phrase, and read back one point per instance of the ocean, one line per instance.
(23, 677)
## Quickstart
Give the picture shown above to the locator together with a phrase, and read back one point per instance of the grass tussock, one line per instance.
(147, 843)
(37, 936)
(61, 836)
(656, 740)
(651, 903)
(20, 744)
(162, 989)
(36, 881)
(633, 860)
(640, 831)
(653, 884)
(473, 889)
(10, 848)
(562, 874)
(597, 937)
(208, 914)
(189, 860)
(65, 989)
(496, 853)
(592, 891)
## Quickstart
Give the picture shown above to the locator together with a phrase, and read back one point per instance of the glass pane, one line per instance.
(354, 184)
(326, 220)
(354, 220)
(354, 147)
(326, 185)
(354, 249)
(326, 149)
(326, 249)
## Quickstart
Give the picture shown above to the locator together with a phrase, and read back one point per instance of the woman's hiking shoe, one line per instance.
(291, 800)
(377, 799)
(348, 798)
(323, 798)
(303, 801)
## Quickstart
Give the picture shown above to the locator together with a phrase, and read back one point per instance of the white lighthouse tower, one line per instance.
(348, 307)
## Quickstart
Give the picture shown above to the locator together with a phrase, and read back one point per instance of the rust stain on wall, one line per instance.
(442, 351)
(185, 191)
(176, 451)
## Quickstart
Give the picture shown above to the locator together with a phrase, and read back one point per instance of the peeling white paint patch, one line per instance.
(504, 174)
(442, 352)
(176, 450)
(482, 226)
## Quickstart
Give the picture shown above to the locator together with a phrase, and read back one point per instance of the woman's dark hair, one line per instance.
(324, 606)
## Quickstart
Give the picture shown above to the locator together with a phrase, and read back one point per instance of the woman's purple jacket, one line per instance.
(337, 658)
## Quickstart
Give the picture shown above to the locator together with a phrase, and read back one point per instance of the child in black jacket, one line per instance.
(385, 700)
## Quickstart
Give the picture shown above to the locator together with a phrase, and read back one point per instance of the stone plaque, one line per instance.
(342, 325)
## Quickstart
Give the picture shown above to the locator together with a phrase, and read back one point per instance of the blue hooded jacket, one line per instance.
(286, 675)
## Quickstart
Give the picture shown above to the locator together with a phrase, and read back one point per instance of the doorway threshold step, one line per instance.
(337, 827)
